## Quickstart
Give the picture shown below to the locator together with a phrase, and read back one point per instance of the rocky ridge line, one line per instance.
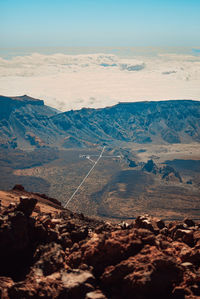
(164, 122)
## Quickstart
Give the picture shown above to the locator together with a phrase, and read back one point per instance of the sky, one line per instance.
(79, 23)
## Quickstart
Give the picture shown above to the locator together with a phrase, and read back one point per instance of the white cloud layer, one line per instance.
(98, 80)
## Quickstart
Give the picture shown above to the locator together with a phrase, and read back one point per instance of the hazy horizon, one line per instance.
(122, 52)
(72, 78)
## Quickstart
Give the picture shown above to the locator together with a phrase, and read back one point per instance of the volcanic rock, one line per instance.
(27, 205)
(150, 166)
(67, 255)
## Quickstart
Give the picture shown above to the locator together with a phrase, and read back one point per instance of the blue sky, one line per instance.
(76, 23)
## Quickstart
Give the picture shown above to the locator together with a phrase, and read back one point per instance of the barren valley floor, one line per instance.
(114, 190)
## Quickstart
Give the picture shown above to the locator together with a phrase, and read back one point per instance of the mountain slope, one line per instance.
(26, 122)
(143, 122)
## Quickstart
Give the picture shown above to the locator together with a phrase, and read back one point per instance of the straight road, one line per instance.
(87, 175)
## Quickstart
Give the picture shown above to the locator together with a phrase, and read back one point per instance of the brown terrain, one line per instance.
(49, 252)
(43, 149)
(117, 188)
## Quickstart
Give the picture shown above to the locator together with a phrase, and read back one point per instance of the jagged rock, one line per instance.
(150, 273)
(27, 205)
(150, 166)
(69, 256)
(169, 173)
(101, 251)
(154, 280)
(150, 223)
(166, 172)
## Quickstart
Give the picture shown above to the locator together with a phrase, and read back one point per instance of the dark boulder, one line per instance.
(27, 205)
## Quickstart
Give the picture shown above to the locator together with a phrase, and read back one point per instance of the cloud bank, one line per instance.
(98, 80)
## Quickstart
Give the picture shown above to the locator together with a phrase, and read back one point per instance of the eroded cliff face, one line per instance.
(59, 254)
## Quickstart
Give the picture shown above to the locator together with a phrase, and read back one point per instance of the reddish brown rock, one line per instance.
(37, 287)
(150, 273)
(151, 223)
(110, 248)
(67, 255)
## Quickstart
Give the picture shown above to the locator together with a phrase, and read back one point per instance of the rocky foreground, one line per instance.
(66, 255)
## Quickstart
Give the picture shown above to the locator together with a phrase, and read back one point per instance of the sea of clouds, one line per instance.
(97, 80)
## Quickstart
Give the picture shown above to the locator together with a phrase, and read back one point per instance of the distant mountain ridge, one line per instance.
(25, 119)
